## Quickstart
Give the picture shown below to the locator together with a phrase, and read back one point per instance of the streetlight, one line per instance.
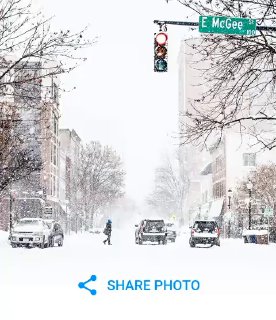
(249, 187)
(229, 198)
(229, 212)
(12, 199)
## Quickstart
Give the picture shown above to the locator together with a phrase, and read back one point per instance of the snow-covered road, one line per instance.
(237, 280)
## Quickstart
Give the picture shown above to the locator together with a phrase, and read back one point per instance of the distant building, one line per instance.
(192, 160)
(70, 144)
(38, 106)
(211, 174)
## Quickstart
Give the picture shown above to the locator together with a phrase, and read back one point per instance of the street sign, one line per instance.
(268, 212)
(227, 25)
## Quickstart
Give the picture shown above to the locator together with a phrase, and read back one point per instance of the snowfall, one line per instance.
(237, 280)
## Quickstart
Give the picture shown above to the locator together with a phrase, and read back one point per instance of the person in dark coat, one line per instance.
(107, 231)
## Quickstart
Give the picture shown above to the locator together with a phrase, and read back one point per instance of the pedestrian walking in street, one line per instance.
(107, 231)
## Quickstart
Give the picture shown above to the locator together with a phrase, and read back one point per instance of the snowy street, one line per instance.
(237, 280)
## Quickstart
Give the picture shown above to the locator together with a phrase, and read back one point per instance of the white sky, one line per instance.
(119, 100)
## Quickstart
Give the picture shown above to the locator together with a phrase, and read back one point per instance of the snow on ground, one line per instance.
(237, 280)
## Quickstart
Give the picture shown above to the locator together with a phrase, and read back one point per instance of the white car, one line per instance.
(30, 232)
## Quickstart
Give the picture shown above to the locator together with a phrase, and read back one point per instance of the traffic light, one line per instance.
(161, 52)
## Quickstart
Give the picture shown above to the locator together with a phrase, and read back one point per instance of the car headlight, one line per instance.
(13, 238)
(37, 238)
(38, 234)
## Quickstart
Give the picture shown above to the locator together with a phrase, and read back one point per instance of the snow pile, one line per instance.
(255, 232)
(4, 238)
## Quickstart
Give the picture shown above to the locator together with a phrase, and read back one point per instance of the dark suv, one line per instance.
(150, 230)
(56, 235)
(205, 232)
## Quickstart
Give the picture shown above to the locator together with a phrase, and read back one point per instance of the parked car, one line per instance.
(56, 235)
(30, 232)
(171, 231)
(272, 234)
(150, 230)
(205, 232)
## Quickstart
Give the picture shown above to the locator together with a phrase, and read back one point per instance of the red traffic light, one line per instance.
(161, 38)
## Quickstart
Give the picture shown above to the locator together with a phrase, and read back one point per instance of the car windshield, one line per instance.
(154, 226)
(32, 222)
(201, 226)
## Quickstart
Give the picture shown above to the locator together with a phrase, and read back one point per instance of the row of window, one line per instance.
(249, 159)
(219, 189)
(54, 190)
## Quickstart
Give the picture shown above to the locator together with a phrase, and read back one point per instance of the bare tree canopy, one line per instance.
(240, 76)
(27, 37)
(100, 178)
(264, 184)
(17, 160)
(169, 190)
(32, 56)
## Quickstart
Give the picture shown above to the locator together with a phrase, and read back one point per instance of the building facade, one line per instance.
(70, 144)
(35, 98)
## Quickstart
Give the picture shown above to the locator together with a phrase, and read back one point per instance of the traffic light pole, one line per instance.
(195, 24)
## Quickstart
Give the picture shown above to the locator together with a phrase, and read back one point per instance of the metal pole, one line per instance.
(249, 210)
(10, 212)
(194, 24)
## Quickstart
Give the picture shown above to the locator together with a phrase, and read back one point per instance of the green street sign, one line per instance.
(227, 25)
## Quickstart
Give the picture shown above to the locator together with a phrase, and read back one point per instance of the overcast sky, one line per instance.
(119, 100)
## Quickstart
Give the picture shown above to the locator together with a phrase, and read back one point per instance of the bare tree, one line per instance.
(264, 184)
(16, 159)
(169, 190)
(31, 57)
(240, 77)
(100, 178)
(263, 195)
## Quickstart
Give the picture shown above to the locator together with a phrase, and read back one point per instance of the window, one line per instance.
(219, 189)
(55, 124)
(249, 159)
(55, 154)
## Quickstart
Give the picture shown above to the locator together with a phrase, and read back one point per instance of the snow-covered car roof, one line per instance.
(205, 220)
(49, 220)
(33, 219)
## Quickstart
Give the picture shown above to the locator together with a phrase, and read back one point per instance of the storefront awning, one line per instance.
(215, 209)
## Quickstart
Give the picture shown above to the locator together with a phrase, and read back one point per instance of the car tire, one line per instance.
(140, 241)
(14, 245)
(192, 244)
(42, 245)
(164, 242)
(218, 243)
(60, 243)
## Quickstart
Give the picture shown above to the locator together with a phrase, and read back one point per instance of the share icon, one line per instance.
(82, 285)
